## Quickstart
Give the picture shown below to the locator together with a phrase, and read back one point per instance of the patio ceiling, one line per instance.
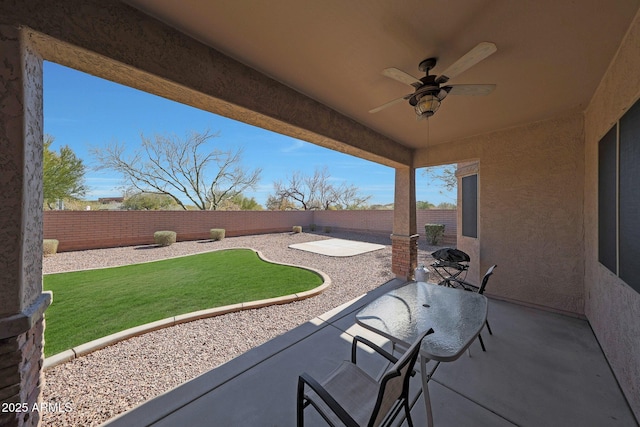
(551, 54)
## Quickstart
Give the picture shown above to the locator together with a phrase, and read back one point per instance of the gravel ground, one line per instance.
(110, 381)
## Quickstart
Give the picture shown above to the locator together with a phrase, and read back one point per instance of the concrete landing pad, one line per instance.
(337, 247)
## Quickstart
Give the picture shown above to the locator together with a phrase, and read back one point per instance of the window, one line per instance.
(607, 200)
(470, 206)
(619, 198)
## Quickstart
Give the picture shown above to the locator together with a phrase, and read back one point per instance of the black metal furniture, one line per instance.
(403, 313)
(349, 396)
(469, 287)
(449, 264)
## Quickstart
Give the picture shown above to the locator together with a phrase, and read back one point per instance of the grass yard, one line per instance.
(91, 304)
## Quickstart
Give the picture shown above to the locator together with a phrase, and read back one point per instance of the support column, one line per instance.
(404, 240)
(22, 302)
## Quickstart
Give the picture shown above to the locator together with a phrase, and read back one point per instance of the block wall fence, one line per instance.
(80, 230)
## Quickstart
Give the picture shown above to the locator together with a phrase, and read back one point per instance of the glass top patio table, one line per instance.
(456, 316)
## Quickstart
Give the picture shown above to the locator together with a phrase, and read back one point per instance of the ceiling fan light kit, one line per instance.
(429, 93)
(427, 105)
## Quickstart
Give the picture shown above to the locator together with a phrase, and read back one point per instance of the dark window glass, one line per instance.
(470, 206)
(629, 250)
(607, 200)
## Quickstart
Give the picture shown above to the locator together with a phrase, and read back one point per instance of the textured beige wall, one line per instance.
(530, 209)
(20, 172)
(404, 217)
(531, 188)
(612, 307)
(22, 301)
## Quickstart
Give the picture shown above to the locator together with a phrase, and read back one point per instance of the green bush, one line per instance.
(50, 246)
(297, 229)
(164, 238)
(312, 227)
(327, 229)
(434, 233)
(217, 233)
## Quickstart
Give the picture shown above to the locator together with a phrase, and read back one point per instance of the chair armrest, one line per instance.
(465, 285)
(303, 379)
(376, 348)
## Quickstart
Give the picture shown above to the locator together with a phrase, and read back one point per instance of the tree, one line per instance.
(444, 176)
(148, 201)
(424, 205)
(240, 203)
(303, 192)
(63, 174)
(447, 205)
(181, 168)
(278, 204)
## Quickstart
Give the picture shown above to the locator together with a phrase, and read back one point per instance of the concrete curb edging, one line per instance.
(91, 346)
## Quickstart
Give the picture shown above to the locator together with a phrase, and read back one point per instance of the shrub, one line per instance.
(164, 238)
(297, 229)
(312, 227)
(327, 229)
(50, 246)
(217, 233)
(434, 233)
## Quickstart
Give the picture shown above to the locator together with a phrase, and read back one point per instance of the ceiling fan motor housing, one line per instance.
(428, 92)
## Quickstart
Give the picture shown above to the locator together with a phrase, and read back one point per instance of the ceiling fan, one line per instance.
(431, 90)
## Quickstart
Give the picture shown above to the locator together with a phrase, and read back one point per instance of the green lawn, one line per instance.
(95, 303)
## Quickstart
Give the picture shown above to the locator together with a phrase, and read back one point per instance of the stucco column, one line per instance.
(404, 240)
(22, 302)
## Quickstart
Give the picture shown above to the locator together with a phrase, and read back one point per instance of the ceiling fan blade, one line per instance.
(401, 77)
(471, 58)
(390, 103)
(472, 90)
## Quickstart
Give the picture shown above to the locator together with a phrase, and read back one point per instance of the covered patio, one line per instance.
(540, 368)
(544, 191)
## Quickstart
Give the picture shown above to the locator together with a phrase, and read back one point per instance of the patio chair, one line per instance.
(473, 288)
(349, 396)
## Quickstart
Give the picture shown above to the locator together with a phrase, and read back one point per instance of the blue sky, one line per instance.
(82, 111)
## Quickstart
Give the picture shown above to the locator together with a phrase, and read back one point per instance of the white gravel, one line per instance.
(110, 381)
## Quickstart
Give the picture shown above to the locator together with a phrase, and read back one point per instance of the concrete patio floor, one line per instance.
(540, 369)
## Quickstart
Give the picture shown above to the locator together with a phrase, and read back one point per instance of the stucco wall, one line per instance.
(612, 307)
(22, 301)
(20, 172)
(530, 195)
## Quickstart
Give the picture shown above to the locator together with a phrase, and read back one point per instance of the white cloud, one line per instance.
(295, 146)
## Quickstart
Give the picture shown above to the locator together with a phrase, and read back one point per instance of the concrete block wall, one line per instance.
(79, 230)
(381, 221)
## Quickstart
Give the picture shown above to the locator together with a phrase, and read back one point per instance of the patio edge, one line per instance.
(100, 343)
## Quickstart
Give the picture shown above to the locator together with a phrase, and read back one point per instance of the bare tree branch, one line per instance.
(181, 168)
(315, 192)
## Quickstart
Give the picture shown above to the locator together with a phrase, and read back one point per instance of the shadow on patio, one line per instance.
(540, 368)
